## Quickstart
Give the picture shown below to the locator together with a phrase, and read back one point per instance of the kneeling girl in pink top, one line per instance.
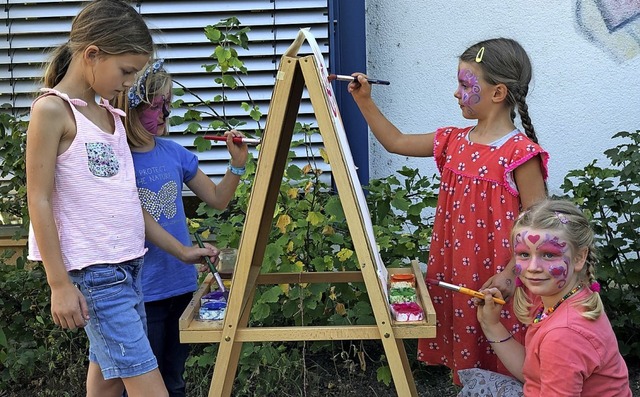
(570, 348)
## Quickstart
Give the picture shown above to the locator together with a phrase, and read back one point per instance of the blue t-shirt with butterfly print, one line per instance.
(160, 174)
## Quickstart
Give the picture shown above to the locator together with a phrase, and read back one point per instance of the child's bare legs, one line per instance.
(149, 384)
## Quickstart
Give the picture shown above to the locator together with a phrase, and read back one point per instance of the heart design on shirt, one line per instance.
(533, 238)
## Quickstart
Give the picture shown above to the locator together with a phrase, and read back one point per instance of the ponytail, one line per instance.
(57, 67)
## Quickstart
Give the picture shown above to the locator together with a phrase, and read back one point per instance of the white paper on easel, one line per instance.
(305, 34)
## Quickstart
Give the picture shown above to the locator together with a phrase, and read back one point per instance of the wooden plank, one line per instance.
(276, 141)
(206, 332)
(423, 292)
(315, 277)
(193, 309)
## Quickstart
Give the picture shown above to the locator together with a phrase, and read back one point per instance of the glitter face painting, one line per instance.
(468, 87)
(540, 254)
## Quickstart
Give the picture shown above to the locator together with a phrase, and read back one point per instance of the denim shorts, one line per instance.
(117, 326)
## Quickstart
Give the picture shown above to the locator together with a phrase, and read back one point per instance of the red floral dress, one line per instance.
(478, 203)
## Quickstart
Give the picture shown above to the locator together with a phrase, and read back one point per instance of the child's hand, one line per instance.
(196, 254)
(503, 281)
(68, 307)
(239, 153)
(489, 311)
(359, 88)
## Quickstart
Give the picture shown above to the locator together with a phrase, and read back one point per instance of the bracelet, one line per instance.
(237, 170)
(500, 341)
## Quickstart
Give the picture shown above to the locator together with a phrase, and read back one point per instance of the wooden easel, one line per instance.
(294, 73)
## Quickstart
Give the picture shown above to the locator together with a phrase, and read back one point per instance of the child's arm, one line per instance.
(165, 241)
(394, 141)
(531, 187)
(48, 123)
(510, 352)
(218, 196)
(530, 182)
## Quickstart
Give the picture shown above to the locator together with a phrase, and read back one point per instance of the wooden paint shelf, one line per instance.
(194, 330)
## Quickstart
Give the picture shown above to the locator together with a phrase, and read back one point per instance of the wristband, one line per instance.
(237, 170)
(502, 340)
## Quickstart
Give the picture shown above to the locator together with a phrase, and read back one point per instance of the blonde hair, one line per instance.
(154, 84)
(111, 25)
(565, 217)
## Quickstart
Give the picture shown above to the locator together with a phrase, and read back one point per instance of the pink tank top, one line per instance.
(95, 201)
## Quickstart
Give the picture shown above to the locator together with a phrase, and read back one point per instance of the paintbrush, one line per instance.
(466, 291)
(212, 268)
(352, 78)
(236, 139)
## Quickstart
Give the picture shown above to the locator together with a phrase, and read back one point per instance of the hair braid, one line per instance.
(523, 109)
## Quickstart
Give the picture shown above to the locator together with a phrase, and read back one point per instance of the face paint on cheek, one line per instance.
(470, 87)
(517, 269)
(559, 272)
(149, 120)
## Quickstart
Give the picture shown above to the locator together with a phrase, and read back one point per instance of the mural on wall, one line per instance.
(613, 25)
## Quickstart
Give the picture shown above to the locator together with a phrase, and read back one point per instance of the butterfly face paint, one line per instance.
(542, 256)
(468, 88)
(153, 116)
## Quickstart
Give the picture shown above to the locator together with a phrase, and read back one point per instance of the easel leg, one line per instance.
(400, 368)
(224, 371)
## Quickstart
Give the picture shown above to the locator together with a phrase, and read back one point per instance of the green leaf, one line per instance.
(3, 338)
(383, 374)
(272, 295)
(260, 311)
(213, 34)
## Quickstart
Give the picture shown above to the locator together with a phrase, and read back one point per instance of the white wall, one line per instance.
(585, 88)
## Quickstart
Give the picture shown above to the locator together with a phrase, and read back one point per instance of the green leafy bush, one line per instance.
(36, 354)
(611, 197)
(13, 188)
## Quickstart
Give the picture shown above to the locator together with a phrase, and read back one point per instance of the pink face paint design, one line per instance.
(468, 87)
(550, 254)
(153, 116)
(538, 254)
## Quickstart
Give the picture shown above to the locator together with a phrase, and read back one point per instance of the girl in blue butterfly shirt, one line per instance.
(162, 166)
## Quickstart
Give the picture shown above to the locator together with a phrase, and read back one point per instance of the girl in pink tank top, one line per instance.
(87, 225)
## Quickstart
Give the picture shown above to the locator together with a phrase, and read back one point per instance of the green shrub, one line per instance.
(36, 354)
(611, 197)
(13, 187)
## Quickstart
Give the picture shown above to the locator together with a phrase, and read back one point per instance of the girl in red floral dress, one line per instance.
(489, 173)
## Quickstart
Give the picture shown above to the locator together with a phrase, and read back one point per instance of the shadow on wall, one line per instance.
(613, 25)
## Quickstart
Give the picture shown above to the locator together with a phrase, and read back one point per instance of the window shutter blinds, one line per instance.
(32, 28)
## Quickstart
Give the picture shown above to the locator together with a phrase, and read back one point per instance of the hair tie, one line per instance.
(137, 92)
(519, 282)
(595, 286)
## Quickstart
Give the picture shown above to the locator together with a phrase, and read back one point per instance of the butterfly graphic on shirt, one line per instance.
(162, 202)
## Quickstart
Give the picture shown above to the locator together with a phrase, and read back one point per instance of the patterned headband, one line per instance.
(138, 90)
